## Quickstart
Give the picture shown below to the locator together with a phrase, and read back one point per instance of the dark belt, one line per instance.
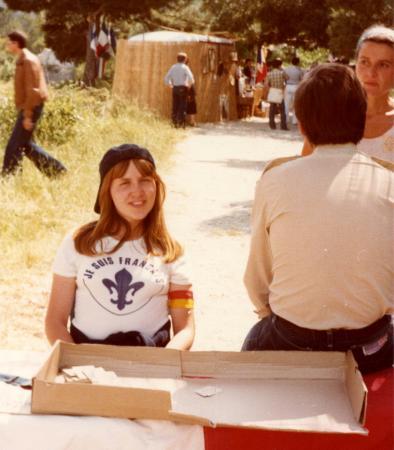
(337, 337)
(130, 338)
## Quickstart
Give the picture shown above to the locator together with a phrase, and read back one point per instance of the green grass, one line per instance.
(35, 212)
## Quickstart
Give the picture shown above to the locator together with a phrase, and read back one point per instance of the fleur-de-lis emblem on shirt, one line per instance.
(121, 286)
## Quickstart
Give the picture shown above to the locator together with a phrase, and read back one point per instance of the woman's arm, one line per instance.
(182, 322)
(61, 302)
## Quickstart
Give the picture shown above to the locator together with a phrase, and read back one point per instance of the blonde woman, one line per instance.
(119, 280)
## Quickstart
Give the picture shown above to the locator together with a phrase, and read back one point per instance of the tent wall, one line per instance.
(140, 69)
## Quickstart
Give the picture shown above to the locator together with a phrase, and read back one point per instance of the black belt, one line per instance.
(336, 337)
(131, 338)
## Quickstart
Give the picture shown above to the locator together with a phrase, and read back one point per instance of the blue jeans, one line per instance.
(20, 143)
(179, 104)
(273, 110)
(372, 346)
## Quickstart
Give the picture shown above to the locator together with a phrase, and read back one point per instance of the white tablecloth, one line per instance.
(50, 432)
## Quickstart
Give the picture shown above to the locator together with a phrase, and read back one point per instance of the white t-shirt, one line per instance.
(381, 147)
(121, 291)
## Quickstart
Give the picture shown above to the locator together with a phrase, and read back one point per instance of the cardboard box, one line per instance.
(306, 391)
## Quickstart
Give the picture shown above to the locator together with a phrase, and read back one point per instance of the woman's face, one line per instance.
(133, 195)
(375, 68)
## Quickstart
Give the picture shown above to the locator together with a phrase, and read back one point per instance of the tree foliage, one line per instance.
(182, 15)
(333, 24)
(348, 19)
(13, 20)
(66, 22)
(30, 23)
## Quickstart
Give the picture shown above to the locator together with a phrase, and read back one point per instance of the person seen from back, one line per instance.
(276, 79)
(294, 76)
(180, 78)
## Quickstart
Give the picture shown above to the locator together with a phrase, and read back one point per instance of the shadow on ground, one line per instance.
(236, 222)
(253, 127)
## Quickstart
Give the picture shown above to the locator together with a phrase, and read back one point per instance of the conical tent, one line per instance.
(143, 61)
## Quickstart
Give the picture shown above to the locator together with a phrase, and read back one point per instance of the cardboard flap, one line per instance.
(117, 401)
(267, 364)
(124, 361)
(51, 366)
(356, 388)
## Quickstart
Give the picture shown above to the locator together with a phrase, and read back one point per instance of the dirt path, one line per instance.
(211, 188)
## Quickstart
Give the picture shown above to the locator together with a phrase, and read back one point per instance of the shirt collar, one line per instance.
(344, 148)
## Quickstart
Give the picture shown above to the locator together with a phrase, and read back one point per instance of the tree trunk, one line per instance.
(90, 73)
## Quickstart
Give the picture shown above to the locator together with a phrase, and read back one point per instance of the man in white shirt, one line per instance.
(321, 263)
(180, 78)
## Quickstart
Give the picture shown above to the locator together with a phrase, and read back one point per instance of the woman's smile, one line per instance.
(133, 195)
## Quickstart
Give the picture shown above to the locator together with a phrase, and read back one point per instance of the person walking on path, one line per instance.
(294, 74)
(180, 78)
(30, 94)
(276, 79)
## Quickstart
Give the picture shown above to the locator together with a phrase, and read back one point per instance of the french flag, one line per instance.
(103, 41)
(261, 66)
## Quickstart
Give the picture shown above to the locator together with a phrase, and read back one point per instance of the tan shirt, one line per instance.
(30, 86)
(322, 253)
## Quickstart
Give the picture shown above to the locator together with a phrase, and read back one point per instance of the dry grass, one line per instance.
(36, 212)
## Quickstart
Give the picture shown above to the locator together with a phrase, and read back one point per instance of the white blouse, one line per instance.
(381, 147)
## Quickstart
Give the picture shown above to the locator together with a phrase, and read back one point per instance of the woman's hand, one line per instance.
(182, 323)
(61, 302)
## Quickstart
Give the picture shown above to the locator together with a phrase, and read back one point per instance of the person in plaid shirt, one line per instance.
(276, 78)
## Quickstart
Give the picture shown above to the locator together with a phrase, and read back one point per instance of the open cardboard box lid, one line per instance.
(283, 390)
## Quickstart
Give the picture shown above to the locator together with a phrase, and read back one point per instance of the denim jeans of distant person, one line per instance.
(179, 103)
(372, 346)
(273, 111)
(20, 144)
(289, 102)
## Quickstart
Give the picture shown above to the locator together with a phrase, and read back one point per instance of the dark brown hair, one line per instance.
(19, 37)
(154, 231)
(331, 105)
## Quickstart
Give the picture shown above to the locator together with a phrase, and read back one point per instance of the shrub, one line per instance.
(60, 117)
(58, 122)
